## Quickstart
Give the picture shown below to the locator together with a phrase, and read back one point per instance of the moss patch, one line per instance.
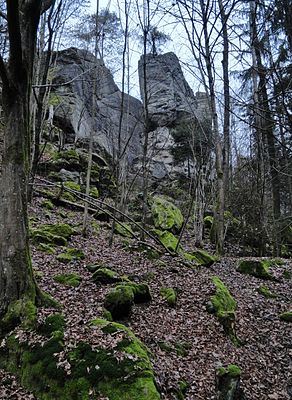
(52, 234)
(68, 279)
(224, 307)
(105, 275)
(167, 239)
(124, 229)
(265, 291)
(70, 255)
(286, 316)
(169, 295)
(166, 215)
(119, 301)
(21, 312)
(257, 268)
(200, 258)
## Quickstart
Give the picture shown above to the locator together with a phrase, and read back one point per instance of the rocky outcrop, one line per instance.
(170, 98)
(171, 105)
(75, 99)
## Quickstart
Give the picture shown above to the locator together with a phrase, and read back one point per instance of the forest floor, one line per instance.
(263, 357)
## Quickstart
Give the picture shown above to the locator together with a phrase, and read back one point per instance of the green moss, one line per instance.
(52, 234)
(70, 255)
(46, 300)
(167, 239)
(124, 229)
(141, 291)
(165, 346)
(224, 307)
(107, 315)
(200, 258)
(182, 348)
(181, 389)
(232, 370)
(265, 291)
(119, 301)
(72, 185)
(68, 279)
(70, 155)
(286, 316)
(208, 221)
(94, 192)
(69, 197)
(22, 312)
(105, 275)
(257, 268)
(166, 215)
(53, 323)
(46, 248)
(169, 295)
(47, 204)
(130, 376)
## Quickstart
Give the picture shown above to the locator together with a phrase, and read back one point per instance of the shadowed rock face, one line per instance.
(73, 114)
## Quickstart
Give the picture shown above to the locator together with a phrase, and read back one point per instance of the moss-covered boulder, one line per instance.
(228, 383)
(105, 275)
(121, 372)
(224, 307)
(208, 221)
(200, 258)
(286, 316)
(70, 255)
(257, 268)
(124, 229)
(166, 215)
(68, 279)
(169, 294)
(168, 239)
(119, 301)
(54, 234)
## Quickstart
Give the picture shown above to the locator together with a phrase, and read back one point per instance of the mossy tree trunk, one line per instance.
(16, 279)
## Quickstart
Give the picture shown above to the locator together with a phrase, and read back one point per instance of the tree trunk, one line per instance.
(16, 279)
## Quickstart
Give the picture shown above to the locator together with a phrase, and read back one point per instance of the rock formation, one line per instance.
(73, 114)
(171, 103)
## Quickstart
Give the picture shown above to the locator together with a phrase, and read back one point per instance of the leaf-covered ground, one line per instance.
(186, 342)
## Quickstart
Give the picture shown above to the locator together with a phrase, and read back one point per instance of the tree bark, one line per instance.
(16, 278)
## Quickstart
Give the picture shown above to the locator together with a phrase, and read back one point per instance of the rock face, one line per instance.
(171, 103)
(168, 94)
(75, 101)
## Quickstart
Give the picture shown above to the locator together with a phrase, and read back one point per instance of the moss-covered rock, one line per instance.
(20, 312)
(124, 229)
(54, 234)
(94, 192)
(224, 307)
(68, 279)
(46, 248)
(228, 382)
(48, 205)
(166, 215)
(168, 240)
(121, 373)
(208, 221)
(286, 316)
(169, 294)
(265, 291)
(200, 258)
(105, 275)
(53, 323)
(119, 301)
(70, 255)
(257, 268)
